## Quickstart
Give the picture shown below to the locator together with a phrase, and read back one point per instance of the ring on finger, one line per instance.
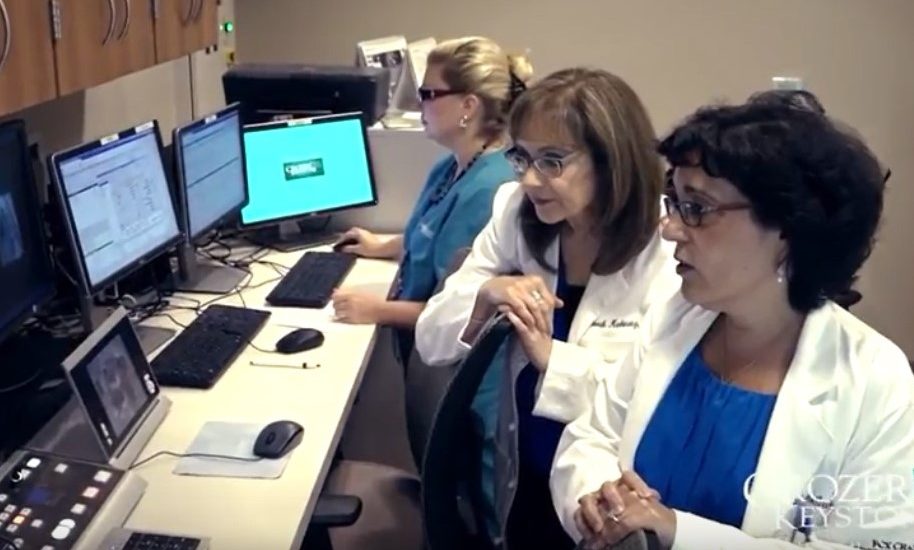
(537, 296)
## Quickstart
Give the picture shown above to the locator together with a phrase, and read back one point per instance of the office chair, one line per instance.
(425, 386)
(636, 540)
(329, 512)
(388, 496)
(450, 476)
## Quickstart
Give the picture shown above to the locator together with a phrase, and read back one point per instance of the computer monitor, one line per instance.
(279, 91)
(211, 186)
(117, 209)
(25, 267)
(306, 167)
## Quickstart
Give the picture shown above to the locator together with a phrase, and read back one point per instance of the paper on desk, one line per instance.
(229, 439)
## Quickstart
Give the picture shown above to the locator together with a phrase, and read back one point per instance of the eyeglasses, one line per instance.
(692, 213)
(430, 94)
(549, 165)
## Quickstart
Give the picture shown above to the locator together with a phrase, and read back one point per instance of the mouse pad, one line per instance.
(229, 439)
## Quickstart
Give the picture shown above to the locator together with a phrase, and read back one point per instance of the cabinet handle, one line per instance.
(199, 10)
(55, 20)
(155, 9)
(8, 31)
(123, 33)
(186, 19)
(112, 9)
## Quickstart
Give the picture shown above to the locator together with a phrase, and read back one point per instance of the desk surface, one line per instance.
(252, 513)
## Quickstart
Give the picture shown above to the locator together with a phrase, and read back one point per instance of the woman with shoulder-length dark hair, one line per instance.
(753, 411)
(573, 255)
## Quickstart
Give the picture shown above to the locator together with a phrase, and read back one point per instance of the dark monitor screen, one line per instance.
(117, 204)
(25, 268)
(211, 180)
(308, 166)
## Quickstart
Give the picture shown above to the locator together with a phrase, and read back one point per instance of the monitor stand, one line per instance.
(197, 277)
(151, 338)
(292, 236)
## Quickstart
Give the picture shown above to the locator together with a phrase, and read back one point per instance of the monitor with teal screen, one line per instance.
(298, 168)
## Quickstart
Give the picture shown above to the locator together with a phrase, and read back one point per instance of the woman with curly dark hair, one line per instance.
(753, 411)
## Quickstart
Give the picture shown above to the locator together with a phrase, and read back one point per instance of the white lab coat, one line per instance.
(602, 330)
(844, 416)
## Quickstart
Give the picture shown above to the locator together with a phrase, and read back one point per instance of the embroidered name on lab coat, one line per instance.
(616, 323)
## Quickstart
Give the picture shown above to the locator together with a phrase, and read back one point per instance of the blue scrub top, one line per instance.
(715, 431)
(436, 231)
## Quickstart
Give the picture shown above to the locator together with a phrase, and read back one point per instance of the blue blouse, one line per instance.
(703, 442)
(538, 437)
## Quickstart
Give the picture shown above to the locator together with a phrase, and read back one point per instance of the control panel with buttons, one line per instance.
(47, 502)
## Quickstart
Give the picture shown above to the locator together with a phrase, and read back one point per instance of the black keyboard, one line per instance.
(149, 541)
(199, 355)
(312, 280)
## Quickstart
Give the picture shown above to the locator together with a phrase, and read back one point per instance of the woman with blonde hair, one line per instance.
(469, 87)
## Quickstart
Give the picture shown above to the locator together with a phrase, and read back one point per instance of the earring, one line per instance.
(464, 121)
(782, 274)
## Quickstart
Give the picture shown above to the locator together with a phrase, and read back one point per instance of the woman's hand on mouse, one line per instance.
(364, 243)
(356, 307)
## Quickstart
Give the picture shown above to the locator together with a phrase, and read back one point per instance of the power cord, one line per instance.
(193, 455)
(19, 385)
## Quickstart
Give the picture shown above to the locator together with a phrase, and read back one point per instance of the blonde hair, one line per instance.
(605, 118)
(478, 66)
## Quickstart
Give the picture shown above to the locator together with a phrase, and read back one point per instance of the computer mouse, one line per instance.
(301, 339)
(278, 438)
(338, 246)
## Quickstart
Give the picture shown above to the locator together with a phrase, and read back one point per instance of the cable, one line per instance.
(172, 319)
(24, 383)
(193, 455)
(195, 308)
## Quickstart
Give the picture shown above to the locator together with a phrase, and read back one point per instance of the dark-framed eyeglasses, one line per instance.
(692, 213)
(431, 94)
(549, 165)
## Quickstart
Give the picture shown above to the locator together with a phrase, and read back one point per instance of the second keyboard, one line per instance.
(201, 353)
(312, 280)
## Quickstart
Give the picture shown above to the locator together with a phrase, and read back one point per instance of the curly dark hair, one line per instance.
(805, 175)
(799, 99)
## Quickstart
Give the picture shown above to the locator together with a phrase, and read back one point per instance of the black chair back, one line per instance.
(450, 476)
(425, 386)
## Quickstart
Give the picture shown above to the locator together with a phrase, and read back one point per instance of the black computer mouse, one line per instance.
(301, 339)
(278, 438)
(346, 241)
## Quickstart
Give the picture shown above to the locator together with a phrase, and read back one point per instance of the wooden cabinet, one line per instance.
(184, 26)
(26, 54)
(100, 40)
(135, 39)
(51, 48)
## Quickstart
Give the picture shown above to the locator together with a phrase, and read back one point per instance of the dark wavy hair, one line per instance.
(805, 175)
(799, 99)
